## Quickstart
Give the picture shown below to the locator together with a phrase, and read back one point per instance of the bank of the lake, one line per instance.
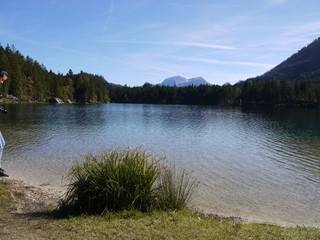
(27, 212)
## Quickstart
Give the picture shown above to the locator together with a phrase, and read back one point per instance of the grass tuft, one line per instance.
(113, 181)
(126, 180)
(175, 188)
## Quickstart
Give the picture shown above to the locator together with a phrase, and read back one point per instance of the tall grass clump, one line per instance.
(115, 180)
(175, 188)
(125, 179)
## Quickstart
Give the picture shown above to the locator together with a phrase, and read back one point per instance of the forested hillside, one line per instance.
(304, 65)
(30, 80)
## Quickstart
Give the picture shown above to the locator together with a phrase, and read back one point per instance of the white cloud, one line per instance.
(306, 29)
(187, 44)
(315, 34)
(214, 61)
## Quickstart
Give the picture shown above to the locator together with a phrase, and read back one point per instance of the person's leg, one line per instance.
(2, 144)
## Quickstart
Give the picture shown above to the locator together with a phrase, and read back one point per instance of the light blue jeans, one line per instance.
(2, 144)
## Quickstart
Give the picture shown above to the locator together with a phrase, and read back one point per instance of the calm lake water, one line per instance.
(255, 163)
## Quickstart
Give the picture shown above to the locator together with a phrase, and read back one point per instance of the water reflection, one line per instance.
(292, 137)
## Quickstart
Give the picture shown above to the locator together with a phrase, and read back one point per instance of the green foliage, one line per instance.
(32, 81)
(280, 92)
(125, 180)
(208, 95)
(251, 92)
(115, 180)
(175, 189)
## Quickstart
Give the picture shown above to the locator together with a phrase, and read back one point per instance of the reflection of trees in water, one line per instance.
(295, 120)
(31, 128)
(20, 127)
(296, 138)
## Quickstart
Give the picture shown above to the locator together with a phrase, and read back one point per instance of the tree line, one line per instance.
(30, 80)
(271, 92)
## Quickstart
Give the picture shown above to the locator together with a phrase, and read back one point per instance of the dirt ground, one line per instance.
(28, 215)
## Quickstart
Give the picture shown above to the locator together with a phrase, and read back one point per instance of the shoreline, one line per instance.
(29, 212)
(10, 99)
(31, 198)
(49, 195)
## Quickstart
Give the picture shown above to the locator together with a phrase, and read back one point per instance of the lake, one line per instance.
(256, 163)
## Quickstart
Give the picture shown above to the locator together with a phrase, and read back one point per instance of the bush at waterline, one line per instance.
(126, 179)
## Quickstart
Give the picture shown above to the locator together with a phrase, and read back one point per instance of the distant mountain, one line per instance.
(197, 81)
(303, 65)
(174, 81)
(183, 82)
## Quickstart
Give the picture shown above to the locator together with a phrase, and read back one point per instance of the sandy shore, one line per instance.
(42, 197)
(32, 198)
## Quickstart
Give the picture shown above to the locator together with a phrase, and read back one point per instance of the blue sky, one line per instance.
(133, 42)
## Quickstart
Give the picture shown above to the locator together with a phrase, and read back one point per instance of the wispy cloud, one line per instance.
(214, 61)
(110, 10)
(306, 29)
(187, 44)
(289, 38)
(315, 34)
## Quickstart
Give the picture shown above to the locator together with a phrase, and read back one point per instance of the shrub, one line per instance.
(126, 180)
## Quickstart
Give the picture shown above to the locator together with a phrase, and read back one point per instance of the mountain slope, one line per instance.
(303, 65)
(173, 81)
(183, 82)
